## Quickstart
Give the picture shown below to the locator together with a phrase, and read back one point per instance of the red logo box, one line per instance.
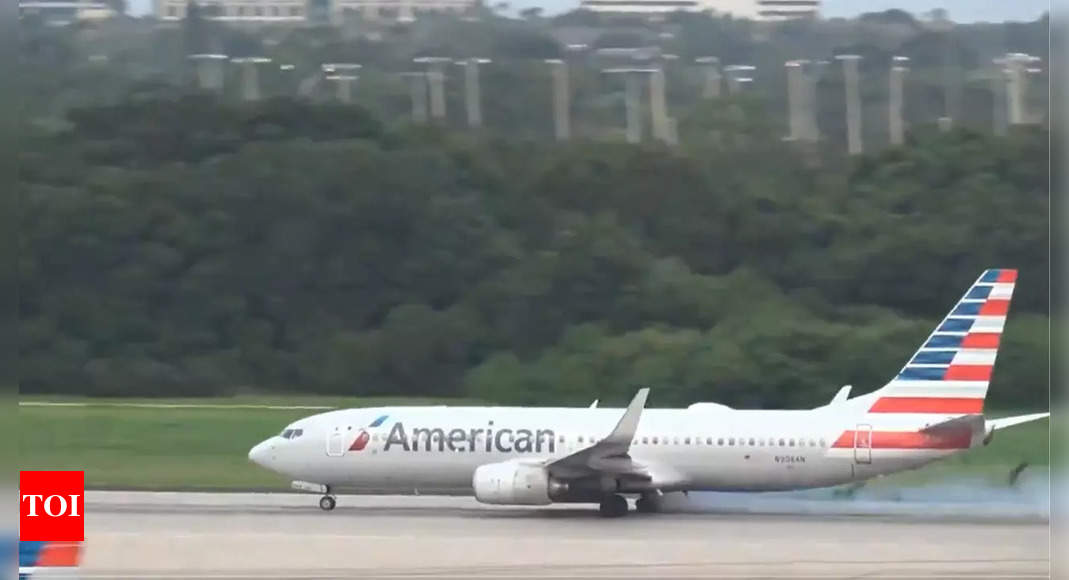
(52, 506)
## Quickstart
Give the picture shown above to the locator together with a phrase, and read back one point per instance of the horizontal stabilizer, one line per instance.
(1004, 422)
(971, 422)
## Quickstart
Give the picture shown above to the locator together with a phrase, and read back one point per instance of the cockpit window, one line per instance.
(287, 433)
(292, 433)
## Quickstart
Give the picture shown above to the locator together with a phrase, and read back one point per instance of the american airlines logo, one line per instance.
(458, 440)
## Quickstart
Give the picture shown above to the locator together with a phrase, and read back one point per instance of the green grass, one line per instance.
(206, 448)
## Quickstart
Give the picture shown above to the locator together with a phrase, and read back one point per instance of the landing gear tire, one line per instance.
(613, 506)
(327, 503)
(648, 505)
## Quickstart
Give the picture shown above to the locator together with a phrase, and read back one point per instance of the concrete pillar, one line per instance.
(471, 94)
(795, 99)
(405, 13)
(344, 87)
(211, 71)
(250, 78)
(417, 86)
(472, 97)
(658, 106)
(673, 131)
(633, 105)
(436, 79)
(1015, 88)
(895, 124)
(711, 73)
(561, 100)
(853, 103)
(810, 129)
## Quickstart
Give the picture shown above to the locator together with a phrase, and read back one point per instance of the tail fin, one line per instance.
(950, 373)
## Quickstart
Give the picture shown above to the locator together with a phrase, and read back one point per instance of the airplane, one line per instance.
(932, 409)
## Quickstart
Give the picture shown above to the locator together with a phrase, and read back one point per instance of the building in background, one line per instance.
(267, 11)
(236, 10)
(765, 10)
(66, 11)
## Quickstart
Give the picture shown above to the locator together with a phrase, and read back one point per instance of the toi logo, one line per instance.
(52, 506)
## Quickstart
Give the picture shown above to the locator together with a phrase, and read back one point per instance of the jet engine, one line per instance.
(515, 483)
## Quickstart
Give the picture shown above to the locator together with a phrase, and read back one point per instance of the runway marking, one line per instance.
(177, 406)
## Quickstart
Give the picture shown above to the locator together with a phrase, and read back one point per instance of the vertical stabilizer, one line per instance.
(950, 373)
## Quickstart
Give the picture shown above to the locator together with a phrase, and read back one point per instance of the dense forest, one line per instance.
(185, 245)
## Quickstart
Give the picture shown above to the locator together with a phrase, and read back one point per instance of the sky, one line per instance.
(960, 10)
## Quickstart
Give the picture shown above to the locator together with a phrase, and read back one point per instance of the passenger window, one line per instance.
(782, 443)
(561, 438)
(580, 438)
(812, 443)
(686, 441)
(645, 440)
(720, 441)
(654, 440)
(731, 441)
(675, 441)
(790, 442)
(822, 443)
(752, 441)
(708, 440)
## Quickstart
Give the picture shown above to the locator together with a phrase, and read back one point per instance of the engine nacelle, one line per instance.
(512, 483)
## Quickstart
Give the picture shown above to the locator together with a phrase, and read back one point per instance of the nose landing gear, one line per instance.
(327, 502)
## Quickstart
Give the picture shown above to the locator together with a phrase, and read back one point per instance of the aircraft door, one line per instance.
(863, 444)
(336, 443)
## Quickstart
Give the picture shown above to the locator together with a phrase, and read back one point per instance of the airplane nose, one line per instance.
(259, 453)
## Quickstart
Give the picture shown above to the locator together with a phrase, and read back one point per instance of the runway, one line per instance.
(161, 535)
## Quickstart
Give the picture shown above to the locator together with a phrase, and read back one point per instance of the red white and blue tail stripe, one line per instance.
(951, 372)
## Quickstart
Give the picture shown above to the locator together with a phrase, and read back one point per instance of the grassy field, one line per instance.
(130, 447)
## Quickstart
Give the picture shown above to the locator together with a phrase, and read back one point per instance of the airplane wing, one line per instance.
(610, 455)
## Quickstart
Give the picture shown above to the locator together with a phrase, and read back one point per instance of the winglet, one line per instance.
(594, 404)
(842, 395)
(624, 432)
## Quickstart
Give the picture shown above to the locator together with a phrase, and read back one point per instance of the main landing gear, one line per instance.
(327, 502)
(614, 506)
(648, 504)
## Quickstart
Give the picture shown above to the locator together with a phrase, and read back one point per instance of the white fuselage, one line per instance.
(710, 448)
